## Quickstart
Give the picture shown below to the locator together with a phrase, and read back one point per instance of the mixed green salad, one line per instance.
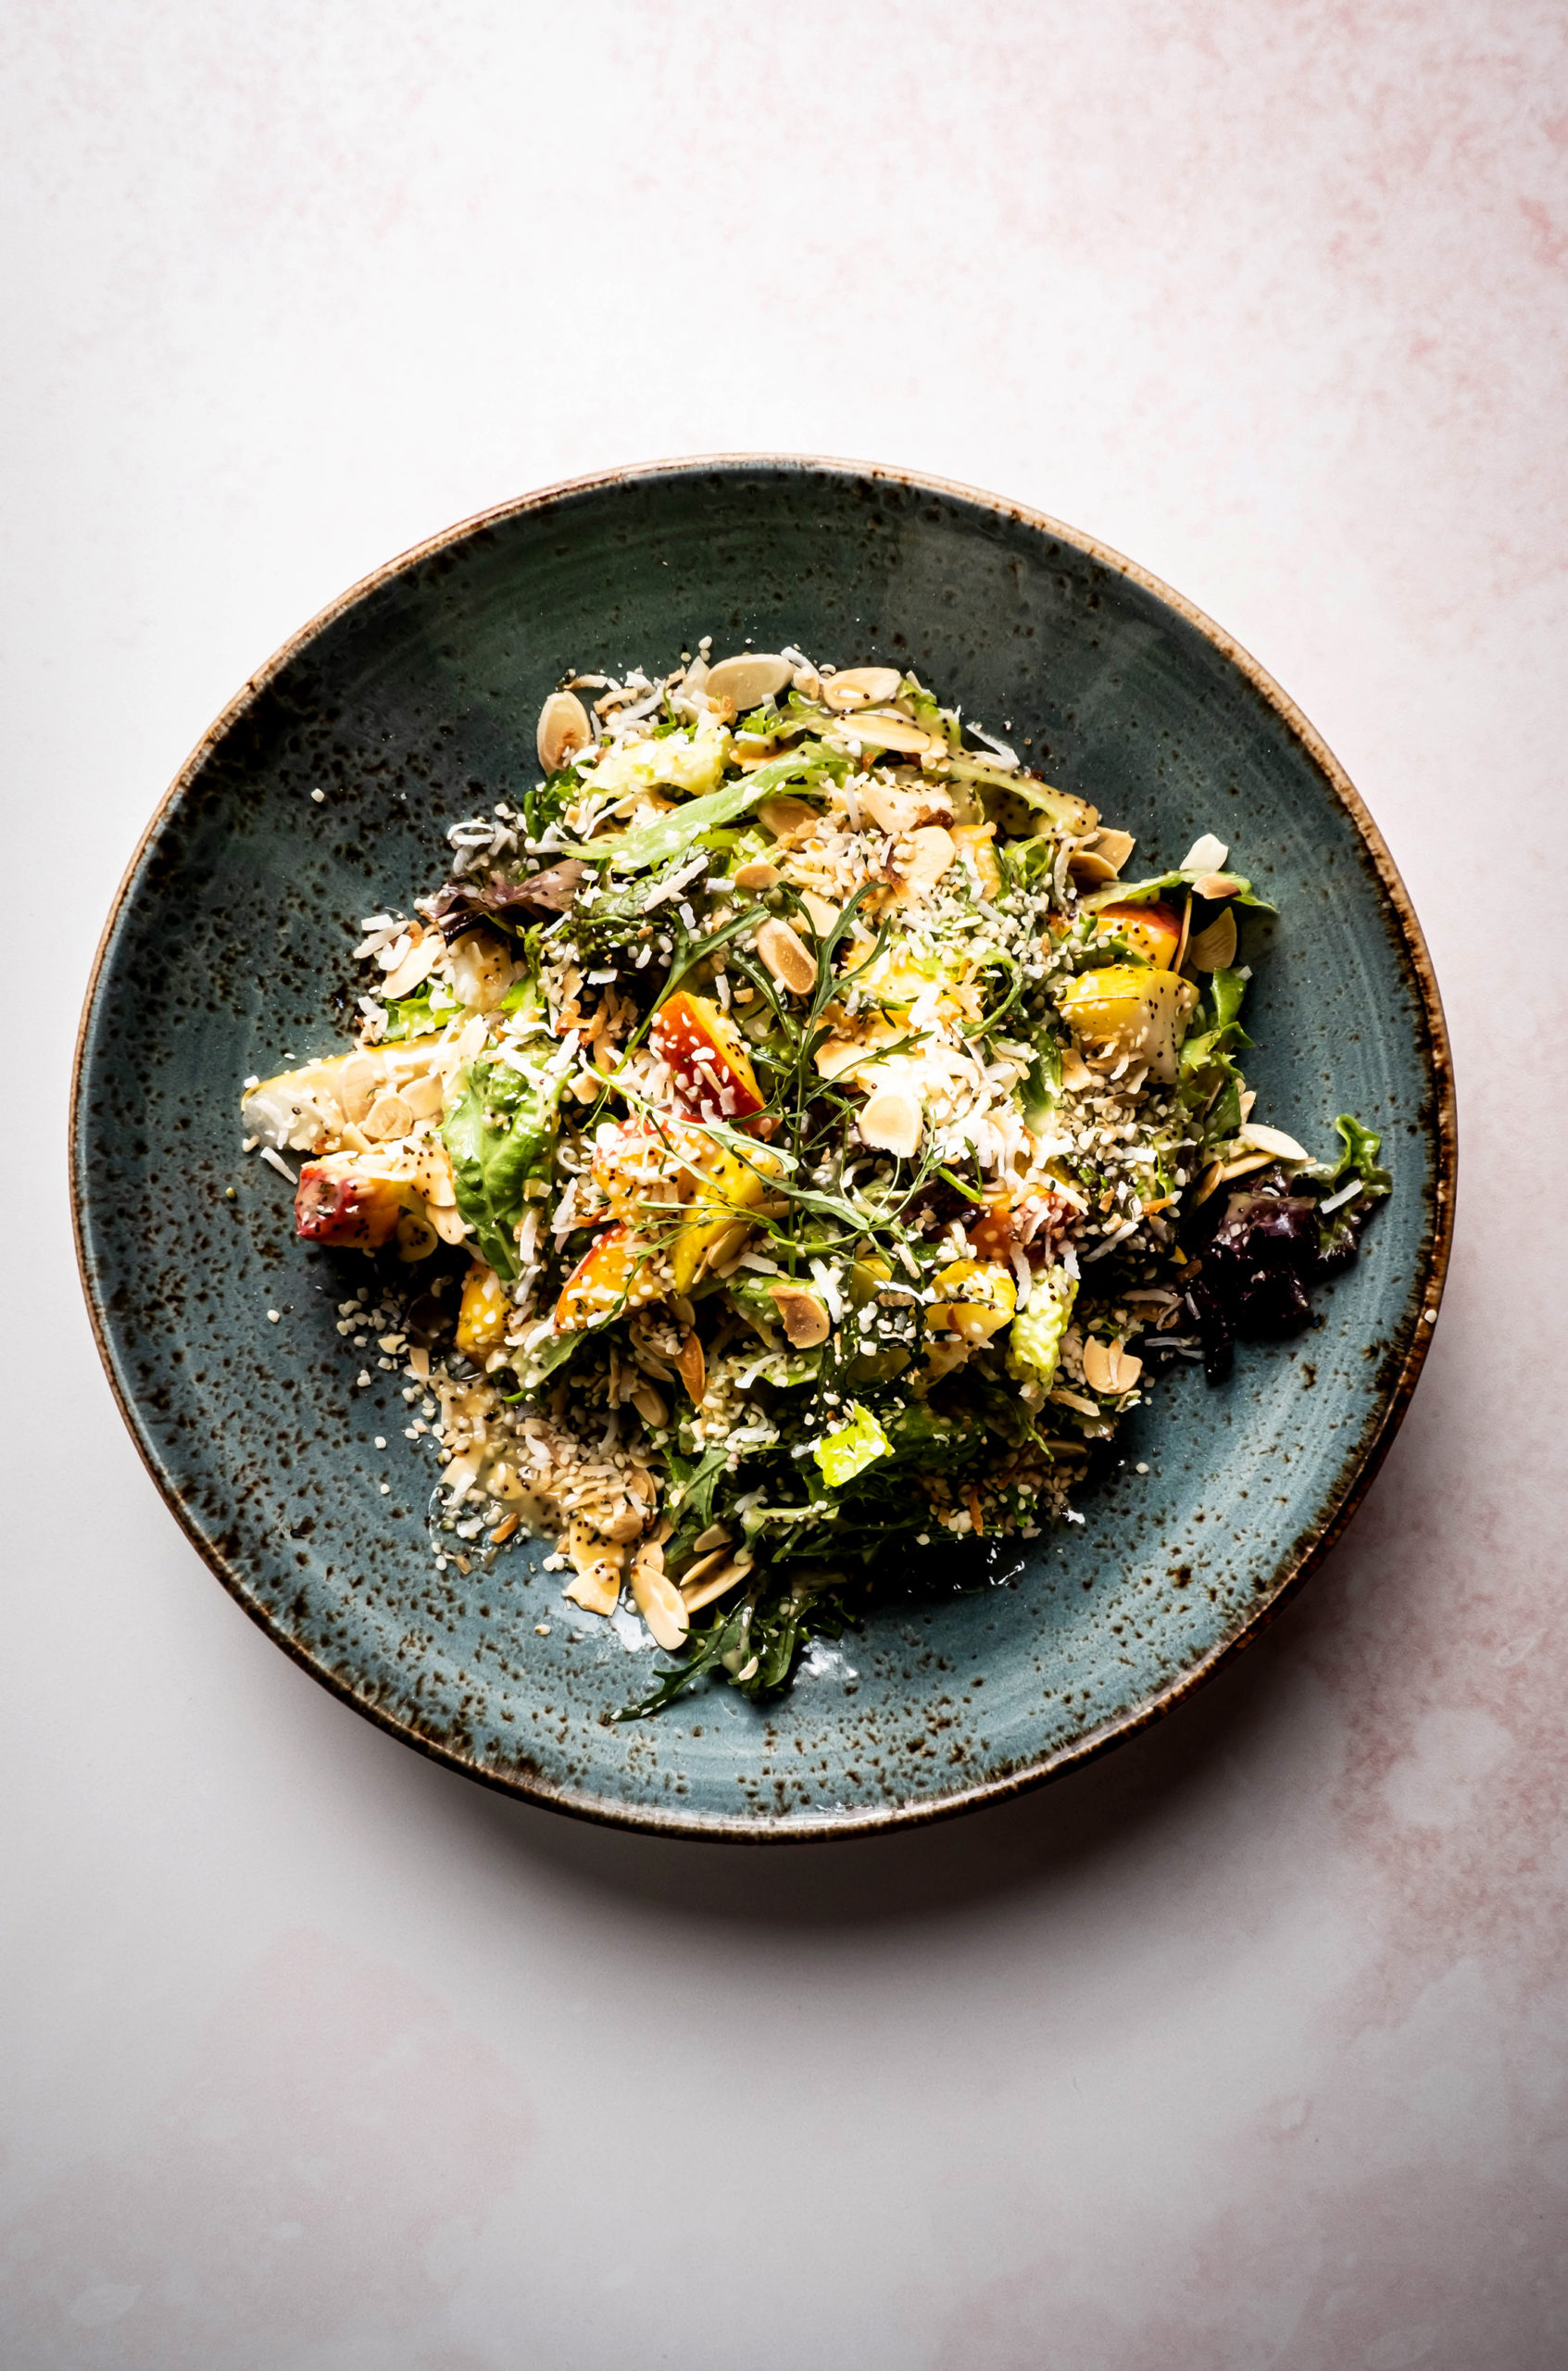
(833, 1143)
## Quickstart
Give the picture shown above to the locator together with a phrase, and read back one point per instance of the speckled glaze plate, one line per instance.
(415, 697)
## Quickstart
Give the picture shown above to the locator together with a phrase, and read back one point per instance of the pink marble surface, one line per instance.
(1244, 2051)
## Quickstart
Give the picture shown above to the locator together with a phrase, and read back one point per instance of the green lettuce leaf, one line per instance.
(1141, 893)
(1359, 1158)
(655, 844)
(500, 1134)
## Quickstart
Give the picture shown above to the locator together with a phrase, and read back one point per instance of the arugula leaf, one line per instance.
(500, 1134)
(691, 1484)
(672, 835)
(1042, 1084)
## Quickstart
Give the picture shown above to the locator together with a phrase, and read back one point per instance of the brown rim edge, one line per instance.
(1373, 1448)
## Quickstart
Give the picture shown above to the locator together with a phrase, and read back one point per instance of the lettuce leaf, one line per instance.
(655, 844)
(1359, 1158)
(500, 1134)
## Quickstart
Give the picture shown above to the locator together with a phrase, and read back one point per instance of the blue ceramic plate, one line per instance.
(416, 696)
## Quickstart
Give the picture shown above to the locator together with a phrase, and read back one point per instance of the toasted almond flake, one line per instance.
(1243, 1167)
(417, 965)
(822, 916)
(748, 680)
(692, 1367)
(563, 730)
(658, 1599)
(785, 956)
(786, 817)
(1206, 854)
(874, 728)
(727, 1577)
(858, 687)
(1087, 864)
(1109, 1366)
(1272, 1140)
(1114, 846)
(757, 874)
(504, 1530)
(1216, 884)
(802, 1314)
(388, 1116)
(932, 851)
(1213, 948)
(892, 1122)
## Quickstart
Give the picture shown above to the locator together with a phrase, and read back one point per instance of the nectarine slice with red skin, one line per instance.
(707, 1058)
(1154, 931)
(340, 1204)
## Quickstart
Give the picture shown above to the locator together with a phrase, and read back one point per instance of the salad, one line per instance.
(786, 1141)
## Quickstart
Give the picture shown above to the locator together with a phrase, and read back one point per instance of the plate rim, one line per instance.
(1357, 1469)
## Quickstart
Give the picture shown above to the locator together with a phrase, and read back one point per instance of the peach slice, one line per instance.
(638, 1163)
(612, 1274)
(481, 1318)
(707, 1056)
(349, 1201)
(1154, 931)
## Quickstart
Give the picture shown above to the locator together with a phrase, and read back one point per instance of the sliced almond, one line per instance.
(1245, 1166)
(1187, 933)
(838, 1055)
(1208, 1182)
(1217, 885)
(757, 874)
(416, 966)
(1274, 1141)
(358, 1083)
(1109, 1366)
(749, 679)
(625, 1524)
(858, 687)
(727, 1577)
(712, 1561)
(448, 1224)
(649, 1405)
(892, 1122)
(1115, 846)
(881, 731)
(932, 851)
(1213, 948)
(388, 1116)
(787, 957)
(423, 1096)
(822, 916)
(786, 817)
(803, 1315)
(1075, 1072)
(658, 1599)
(563, 730)
(1087, 864)
(693, 1368)
(717, 1535)
(597, 1585)
(1206, 854)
